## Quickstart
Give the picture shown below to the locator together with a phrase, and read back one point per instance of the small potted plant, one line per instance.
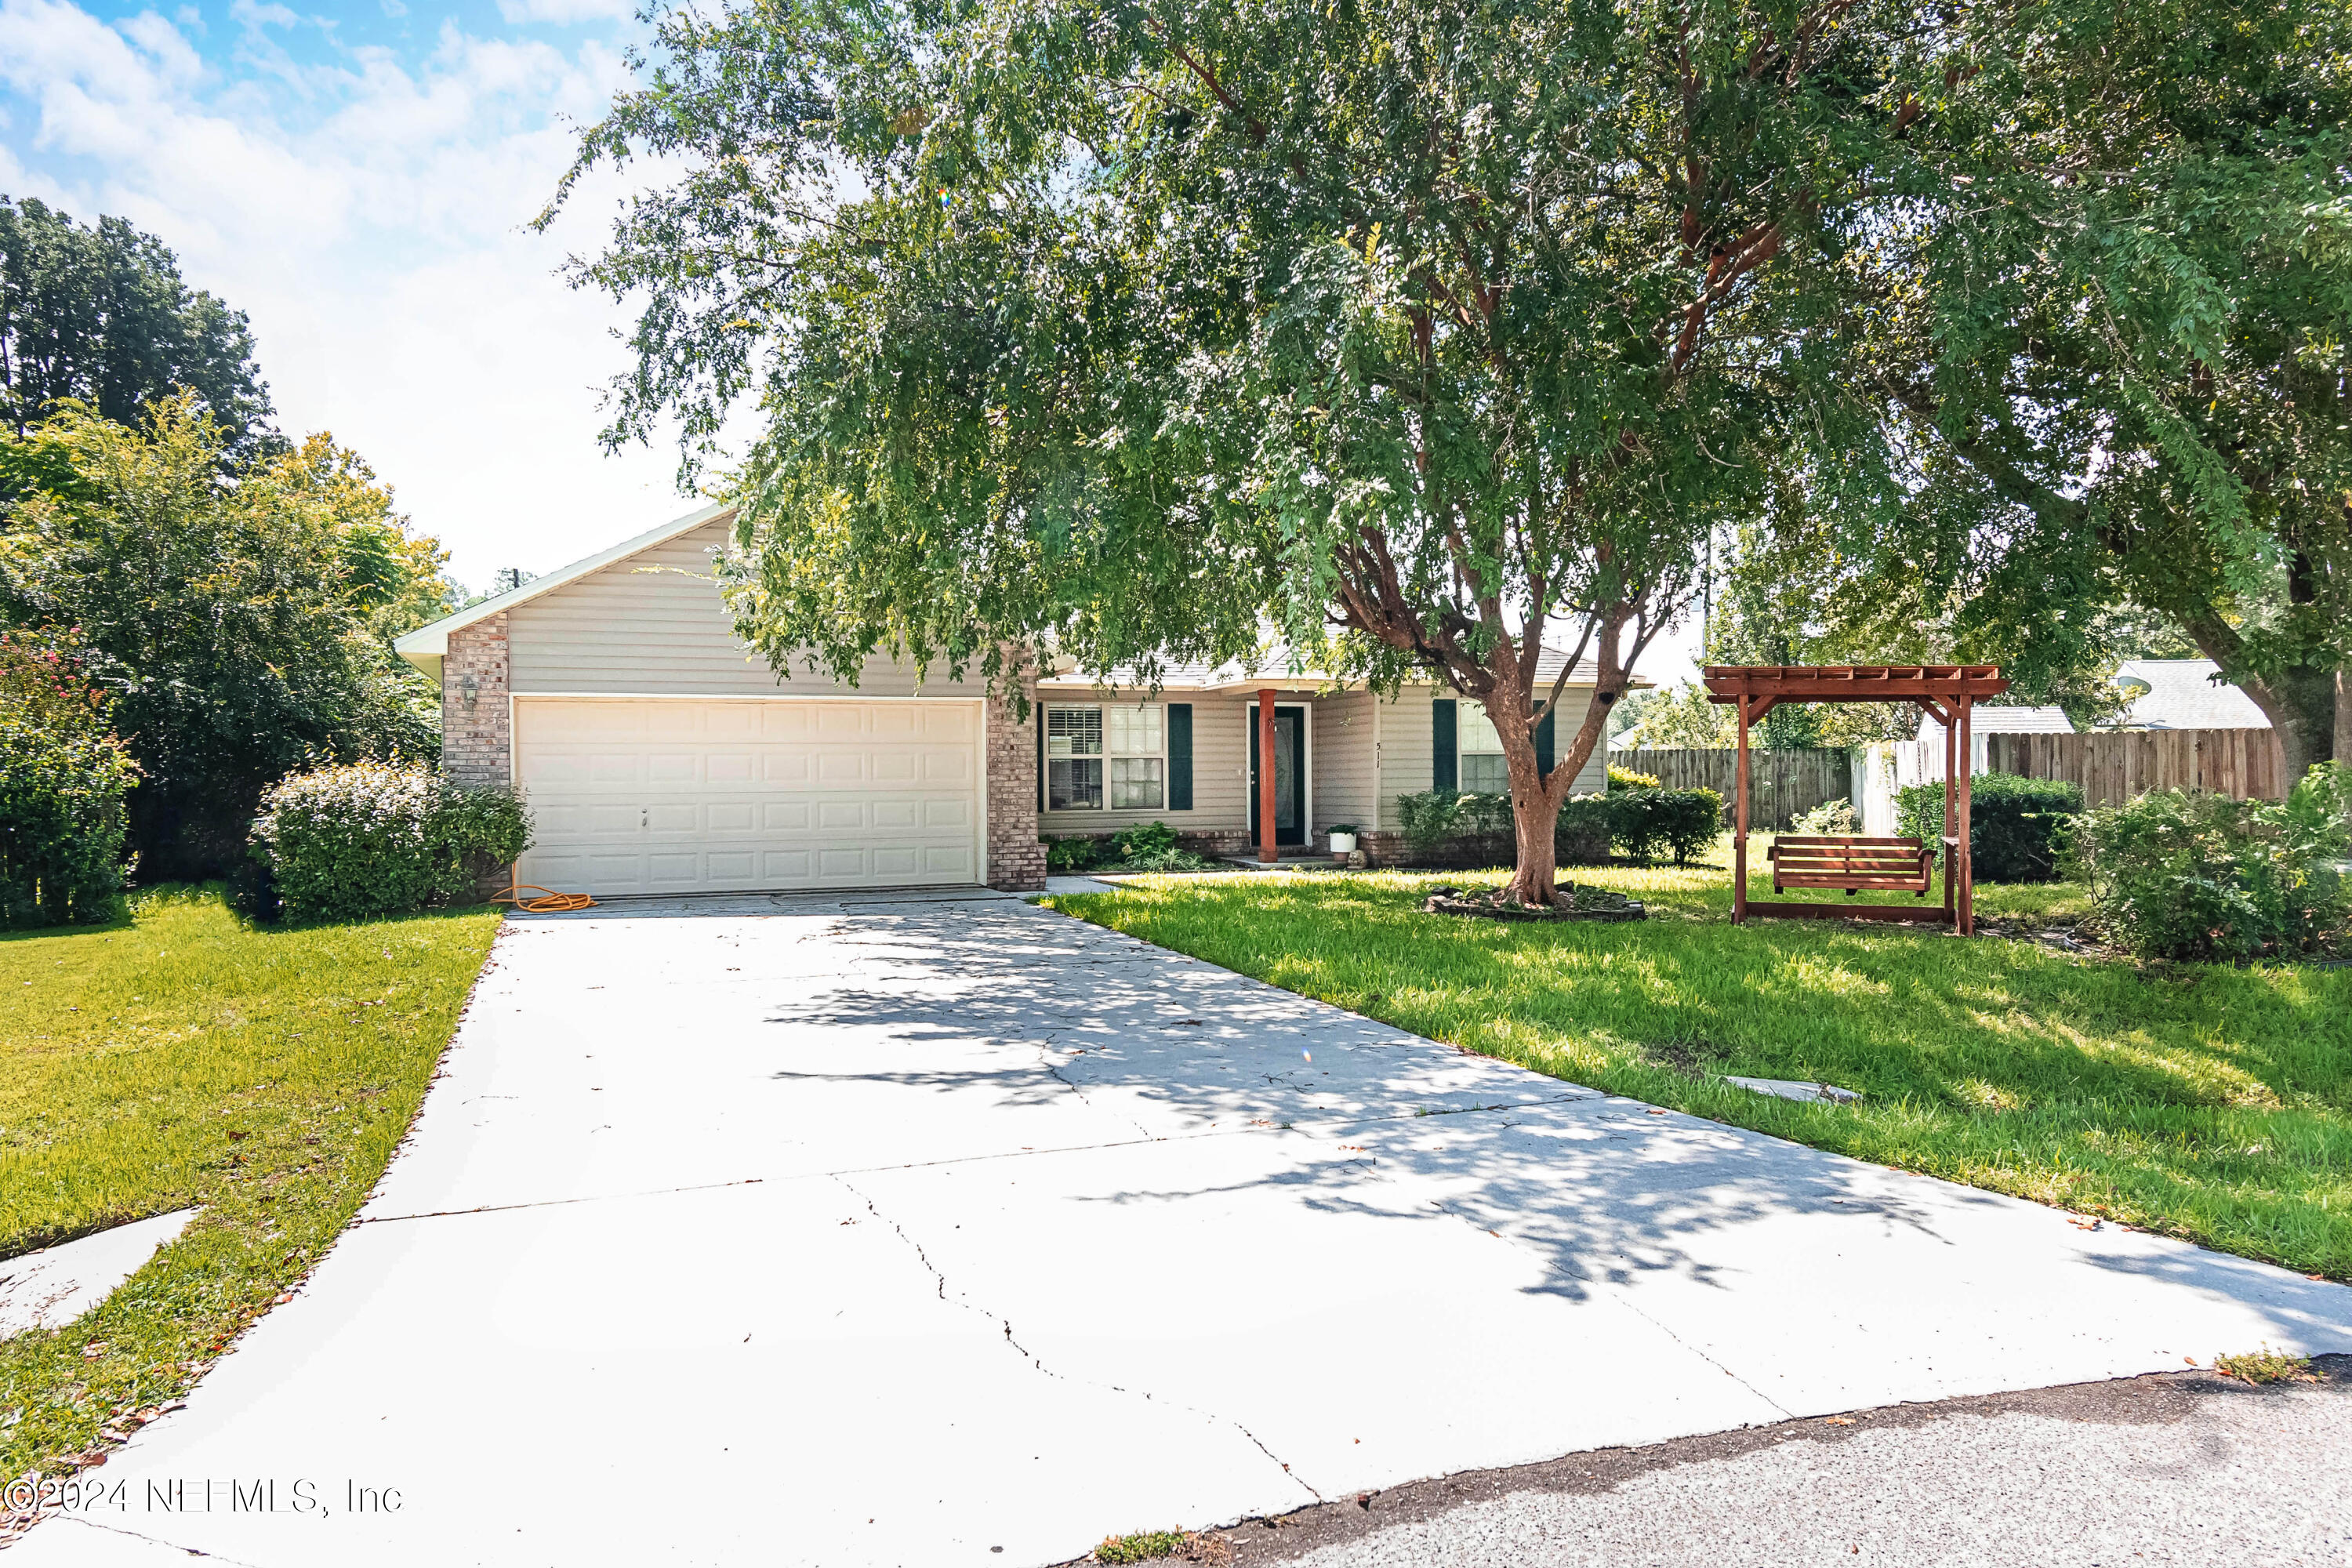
(1343, 837)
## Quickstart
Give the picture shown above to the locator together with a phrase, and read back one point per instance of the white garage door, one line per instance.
(693, 796)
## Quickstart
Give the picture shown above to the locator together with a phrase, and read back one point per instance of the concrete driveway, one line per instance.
(934, 1231)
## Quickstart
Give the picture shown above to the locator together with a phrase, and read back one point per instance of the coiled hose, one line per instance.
(550, 901)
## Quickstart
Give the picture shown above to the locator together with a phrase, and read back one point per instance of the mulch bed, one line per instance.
(1577, 903)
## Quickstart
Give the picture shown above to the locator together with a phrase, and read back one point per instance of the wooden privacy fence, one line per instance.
(2112, 768)
(1785, 784)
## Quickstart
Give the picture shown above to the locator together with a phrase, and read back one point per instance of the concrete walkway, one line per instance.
(928, 1231)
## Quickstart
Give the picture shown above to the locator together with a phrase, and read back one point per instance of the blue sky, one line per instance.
(355, 178)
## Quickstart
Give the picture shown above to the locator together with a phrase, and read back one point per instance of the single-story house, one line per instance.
(660, 755)
(2183, 694)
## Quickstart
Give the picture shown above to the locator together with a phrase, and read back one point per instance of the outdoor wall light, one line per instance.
(471, 688)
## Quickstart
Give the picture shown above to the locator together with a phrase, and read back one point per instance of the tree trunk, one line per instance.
(1535, 818)
(1536, 796)
(2344, 714)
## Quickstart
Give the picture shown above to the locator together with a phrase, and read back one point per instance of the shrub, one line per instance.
(1435, 815)
(1067, 857)
(1626, 778)
(357, 839)
(1642, 823)
(64, 777)
(2014, 823)
(1647, 823)
(2195, 876)
(1833, 818)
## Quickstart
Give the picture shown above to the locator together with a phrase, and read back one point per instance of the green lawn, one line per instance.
(183, 1058)
(2213, 1103)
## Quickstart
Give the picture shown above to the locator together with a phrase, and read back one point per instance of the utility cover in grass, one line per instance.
(1575, 903)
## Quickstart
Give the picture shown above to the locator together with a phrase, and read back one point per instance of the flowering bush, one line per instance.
(63, 779)
(357, 839)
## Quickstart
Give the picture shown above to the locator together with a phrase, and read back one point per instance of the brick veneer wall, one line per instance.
(477, 738)
(1016, 861)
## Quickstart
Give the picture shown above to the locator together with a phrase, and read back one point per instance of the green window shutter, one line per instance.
(1179, 756)
(1443, 771)
(1543, 741)
(1037, 717)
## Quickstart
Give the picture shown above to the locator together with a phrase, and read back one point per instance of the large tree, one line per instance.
(2109, 317)
(1135, 331)
(241, 615)
(100, 315)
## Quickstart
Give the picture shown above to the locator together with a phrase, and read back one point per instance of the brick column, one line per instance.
(1016, 861)
(476, 737)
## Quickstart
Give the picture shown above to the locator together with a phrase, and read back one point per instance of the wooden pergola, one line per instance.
(1946, 691)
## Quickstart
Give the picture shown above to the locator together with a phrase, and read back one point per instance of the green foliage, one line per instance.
(2111, 312)
(1920, 812)
(1145, 847)
(1833, 818)
(1402, 330)
(240, 617)
(1643, 824)
(99, 315)
(1434, 817)
(2197, 876)
(1626, 778)
(63, 778)
(353, 840)
(1140, 1546)
(2015, 824)
(1682, 716)
(1647, 824)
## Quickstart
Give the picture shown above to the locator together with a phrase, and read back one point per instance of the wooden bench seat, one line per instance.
(1810, 860)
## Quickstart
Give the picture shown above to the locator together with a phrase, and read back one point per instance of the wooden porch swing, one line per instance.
(1946, 691)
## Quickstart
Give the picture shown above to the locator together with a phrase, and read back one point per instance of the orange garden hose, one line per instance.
(552, 903)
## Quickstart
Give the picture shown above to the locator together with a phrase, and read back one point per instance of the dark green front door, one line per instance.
(1289, 776)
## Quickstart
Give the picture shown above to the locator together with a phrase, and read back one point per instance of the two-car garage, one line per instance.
(696, 794)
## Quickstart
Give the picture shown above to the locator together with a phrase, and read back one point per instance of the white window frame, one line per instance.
(1473, 712)
(1106, 756)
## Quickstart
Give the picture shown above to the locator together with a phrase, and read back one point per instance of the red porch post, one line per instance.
(1268, 852)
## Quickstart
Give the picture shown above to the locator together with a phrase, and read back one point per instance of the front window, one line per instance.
(1479, 750)
(1124, 748)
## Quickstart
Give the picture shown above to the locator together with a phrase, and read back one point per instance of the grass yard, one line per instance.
(183, 1058)
(2212, 1103)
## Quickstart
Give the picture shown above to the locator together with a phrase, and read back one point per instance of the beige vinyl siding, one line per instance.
(1405, 749)
(1343, 760)
(653, 624)
(1220, 769)
(1407, 759)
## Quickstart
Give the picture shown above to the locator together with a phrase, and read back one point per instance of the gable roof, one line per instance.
(425, 646)
(1984, 720)
(2182, 694)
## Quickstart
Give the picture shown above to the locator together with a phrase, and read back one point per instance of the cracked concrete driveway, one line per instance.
(929, 1231)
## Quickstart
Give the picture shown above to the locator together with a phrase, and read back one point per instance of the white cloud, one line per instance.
(564, 13)
(368, 216)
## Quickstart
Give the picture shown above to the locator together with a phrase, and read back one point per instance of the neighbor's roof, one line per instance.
(425, 646)
(1984, 720)
(2182, 694)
